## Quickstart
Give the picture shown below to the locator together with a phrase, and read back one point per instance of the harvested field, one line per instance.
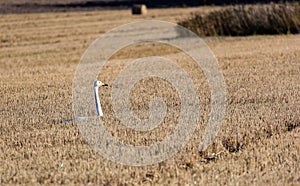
(258, 143)
(270, 19)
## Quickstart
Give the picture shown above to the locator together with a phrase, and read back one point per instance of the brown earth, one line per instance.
(39, 6)
(42, 6)
(258, 143)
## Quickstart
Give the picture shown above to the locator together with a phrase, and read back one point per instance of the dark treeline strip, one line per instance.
(86, 5)
(166, 3)
(174, 3)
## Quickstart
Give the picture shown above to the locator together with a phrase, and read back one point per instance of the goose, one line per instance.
(97, 85)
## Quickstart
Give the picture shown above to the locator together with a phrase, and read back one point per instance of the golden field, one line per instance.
(259, 142)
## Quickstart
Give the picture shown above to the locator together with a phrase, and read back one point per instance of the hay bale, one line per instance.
(140, 9)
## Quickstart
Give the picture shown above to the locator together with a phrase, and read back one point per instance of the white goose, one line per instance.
(97, 84)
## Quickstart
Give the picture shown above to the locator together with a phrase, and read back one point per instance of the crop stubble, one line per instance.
(258, 143)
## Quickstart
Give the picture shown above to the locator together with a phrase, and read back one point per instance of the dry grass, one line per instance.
(247, 20)
(258, 143)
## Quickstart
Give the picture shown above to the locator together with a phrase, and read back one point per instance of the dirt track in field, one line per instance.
(258, 143)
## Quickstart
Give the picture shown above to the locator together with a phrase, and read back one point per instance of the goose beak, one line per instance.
(104, 84)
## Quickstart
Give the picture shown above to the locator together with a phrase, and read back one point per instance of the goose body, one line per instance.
(99, 112)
